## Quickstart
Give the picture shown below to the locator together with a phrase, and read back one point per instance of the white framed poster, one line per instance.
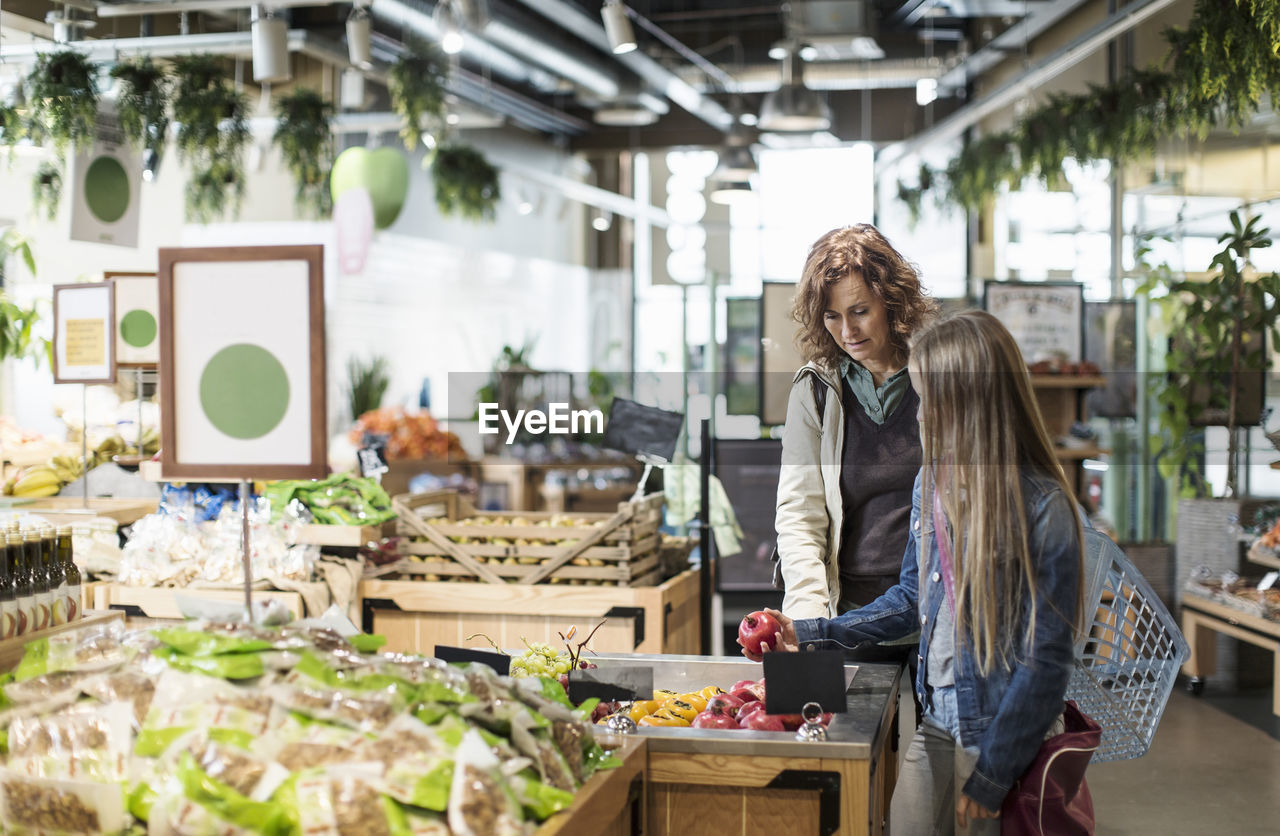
(1046, 319)
(242, 363)
(137, 318)
(105, 179)
(83, 333)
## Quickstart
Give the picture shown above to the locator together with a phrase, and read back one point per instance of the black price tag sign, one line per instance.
(610, 684)
(373, 460)
(793, 679)
(500, 662)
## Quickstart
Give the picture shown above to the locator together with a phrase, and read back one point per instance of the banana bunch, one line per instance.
(37, 481)
(110, 447)
(67, 468)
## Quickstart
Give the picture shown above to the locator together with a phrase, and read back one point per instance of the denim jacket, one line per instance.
(1006, 713)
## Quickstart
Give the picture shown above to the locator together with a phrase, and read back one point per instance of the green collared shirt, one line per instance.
(879, 402)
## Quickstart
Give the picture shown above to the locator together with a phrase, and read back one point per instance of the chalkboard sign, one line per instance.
(642, 430)
(500, 662)
(793, 679)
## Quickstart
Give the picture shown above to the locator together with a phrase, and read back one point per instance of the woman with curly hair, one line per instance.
(851, 444)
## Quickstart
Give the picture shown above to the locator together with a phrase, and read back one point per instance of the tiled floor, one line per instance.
(1206, 772)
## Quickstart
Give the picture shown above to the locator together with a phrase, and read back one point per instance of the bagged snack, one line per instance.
(45, 687)
(125, 685)
(253, 777)
(227, 666)
(193, 803)
(58, 805)
(299, 743)
(417, 765)
(365, 711)
(539, 800)
(186, 702)
(480, 802)
(343, 801)
(87, 741)
(94, 648)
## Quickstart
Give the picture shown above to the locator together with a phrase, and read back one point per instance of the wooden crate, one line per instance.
(67, 510)
(617, 549)
(415, 616)
(143, 605)
(348, 536)
(11, 650)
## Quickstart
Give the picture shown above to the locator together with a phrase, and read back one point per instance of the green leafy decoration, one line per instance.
(466, 183)
(304, 135)
(1218, 331)
(143, 103)
(417, 86)
(366, 384)
(62, 91)
(16, 322)
(1216, 74)
(212, 133)
(46, 190)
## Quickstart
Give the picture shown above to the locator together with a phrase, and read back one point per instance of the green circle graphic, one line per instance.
(244, 391)
(138, 328)
(106, 189)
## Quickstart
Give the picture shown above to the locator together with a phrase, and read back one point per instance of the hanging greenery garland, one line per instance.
(62, 91)
(466, 182)
(212, 133)
(143, 103)
(1220, 67)
(304, 135)
(417, 86)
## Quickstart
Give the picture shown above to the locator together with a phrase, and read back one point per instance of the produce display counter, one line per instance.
(1203, 617)
(704, 781)
(611, 803)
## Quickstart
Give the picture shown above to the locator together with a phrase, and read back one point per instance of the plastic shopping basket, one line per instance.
(1127, 663)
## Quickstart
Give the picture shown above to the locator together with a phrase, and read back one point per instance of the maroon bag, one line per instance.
(1052, 797)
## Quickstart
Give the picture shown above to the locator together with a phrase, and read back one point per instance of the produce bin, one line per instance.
(143, 605)
(710, 781)
(415, 616)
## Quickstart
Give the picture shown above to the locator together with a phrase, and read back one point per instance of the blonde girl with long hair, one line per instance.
(991, 578)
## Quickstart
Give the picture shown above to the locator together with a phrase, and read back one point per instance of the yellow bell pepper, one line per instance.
(642, 709)
(662, 718)
(679, 708)
(712, 691)
(694, 699)
(662, 695)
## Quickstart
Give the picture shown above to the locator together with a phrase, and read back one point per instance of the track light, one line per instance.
(737, 162)
(618, 27)
(270, 46)
(446, 20)
(601, 220)
(359, 36)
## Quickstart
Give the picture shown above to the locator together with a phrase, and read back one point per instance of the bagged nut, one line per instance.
(47, 805)
(84, 741)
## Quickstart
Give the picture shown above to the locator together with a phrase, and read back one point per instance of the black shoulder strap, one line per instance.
(819, 396)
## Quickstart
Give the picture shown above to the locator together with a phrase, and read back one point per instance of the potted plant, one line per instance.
(143, 103)
(416, 83)
(366, 384)
(62, 92)
(16, 322)
(212, 133)
(466, 182)
(46, 190)
(304, 135)
(1218, 333)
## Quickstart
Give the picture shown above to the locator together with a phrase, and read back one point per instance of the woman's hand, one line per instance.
(784, 640)
(967, 808)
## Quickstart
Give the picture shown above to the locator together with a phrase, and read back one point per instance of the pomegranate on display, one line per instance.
(717, 717)
(756, 628)
(760, 721)
(726, 703)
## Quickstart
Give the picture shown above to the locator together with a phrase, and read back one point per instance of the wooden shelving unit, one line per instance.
(1061, 399)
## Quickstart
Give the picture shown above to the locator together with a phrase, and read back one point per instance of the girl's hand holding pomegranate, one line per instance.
(762, 632)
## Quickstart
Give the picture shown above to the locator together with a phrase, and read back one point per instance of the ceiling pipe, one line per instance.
(178, 6)
(1038, 20)
(835, 75)
(1075, 52)
(589, 28)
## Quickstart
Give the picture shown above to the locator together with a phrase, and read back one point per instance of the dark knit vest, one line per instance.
(878, 469)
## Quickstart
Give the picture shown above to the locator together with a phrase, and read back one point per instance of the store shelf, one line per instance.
(348, 536)
(1067, 381)
(1075, 454)
(65, 510)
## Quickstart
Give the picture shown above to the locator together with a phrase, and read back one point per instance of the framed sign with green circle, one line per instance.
(137, 314)
(106, 176)
(242, 370)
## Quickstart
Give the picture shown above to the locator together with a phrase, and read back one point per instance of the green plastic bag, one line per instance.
(269, 818)
(199, 643)
(228, 666)
(541, 801)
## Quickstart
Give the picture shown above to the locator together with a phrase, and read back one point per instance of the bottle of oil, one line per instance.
(39, 578)
(22, 592)
(8, 604)
(70, 573)
(57, 582)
